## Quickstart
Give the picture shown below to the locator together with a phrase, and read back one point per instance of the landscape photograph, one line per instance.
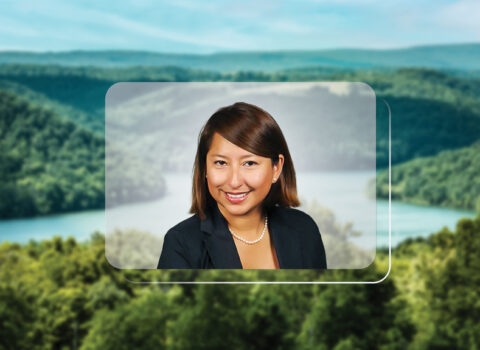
(100, 109)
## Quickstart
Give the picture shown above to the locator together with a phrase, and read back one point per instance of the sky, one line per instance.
(189, 26)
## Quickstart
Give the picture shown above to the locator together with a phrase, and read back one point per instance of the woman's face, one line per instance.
(238, 180)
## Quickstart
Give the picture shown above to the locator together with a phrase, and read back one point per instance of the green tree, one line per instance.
(140, 324)
(362, 316)
(16, 319)
(454, 288)
(270, 323)
(214, 318)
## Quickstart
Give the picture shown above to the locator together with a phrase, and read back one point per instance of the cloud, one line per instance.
(14, 27)
(463, 15)
(202, 27)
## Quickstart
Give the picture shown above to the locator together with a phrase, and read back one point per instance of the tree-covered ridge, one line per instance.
(49, 165)
(432, 111)
(60, 293)
(423, 83)
(79, 93)
(426, 104)
(450, 179)
(454, 56)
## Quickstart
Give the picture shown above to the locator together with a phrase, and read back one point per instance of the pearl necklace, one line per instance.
(255, 240)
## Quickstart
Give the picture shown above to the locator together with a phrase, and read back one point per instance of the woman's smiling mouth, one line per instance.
(236, 197)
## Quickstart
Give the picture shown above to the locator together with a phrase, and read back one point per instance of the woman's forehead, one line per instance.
(221, 147)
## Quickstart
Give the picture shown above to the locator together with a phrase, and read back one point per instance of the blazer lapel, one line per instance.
(219, 243)
(286, 240)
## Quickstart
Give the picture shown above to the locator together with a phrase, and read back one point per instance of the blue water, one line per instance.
(344, 193)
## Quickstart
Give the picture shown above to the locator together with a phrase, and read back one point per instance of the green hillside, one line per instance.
(49, 165)
(426, 104)
(450, 179)
(58, 292)
(458, 56)
(79, 93)
(432, 112)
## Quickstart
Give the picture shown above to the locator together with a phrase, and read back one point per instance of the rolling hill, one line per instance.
(51, 165)
(449, 179)
(458, 56)
(426, 104)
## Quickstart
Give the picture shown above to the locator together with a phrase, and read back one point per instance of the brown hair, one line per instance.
(254, 130)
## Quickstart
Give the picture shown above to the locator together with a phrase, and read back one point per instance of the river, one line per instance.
(343, 193)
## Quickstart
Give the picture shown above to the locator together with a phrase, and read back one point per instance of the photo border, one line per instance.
(314, 282)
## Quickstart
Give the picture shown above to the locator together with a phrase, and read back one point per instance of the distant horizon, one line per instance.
(464, 56)
(342, 48)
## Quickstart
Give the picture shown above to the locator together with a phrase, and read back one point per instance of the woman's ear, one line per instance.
(277, 168)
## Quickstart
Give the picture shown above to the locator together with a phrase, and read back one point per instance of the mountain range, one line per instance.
(448, 57)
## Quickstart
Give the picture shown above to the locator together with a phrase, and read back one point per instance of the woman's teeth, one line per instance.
(240, 195)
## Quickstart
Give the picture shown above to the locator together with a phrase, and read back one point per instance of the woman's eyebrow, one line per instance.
(219, 155)
(242, 157)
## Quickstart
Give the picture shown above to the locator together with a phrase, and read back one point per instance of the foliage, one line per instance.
(62, 294)
(131, 249)
(140, 324)
(42, 156)
(16, 318)
(426, 104)
(363, 316)
(452, 291)
(49, 165)
(46, 165)
(449, 179)
(336, 237)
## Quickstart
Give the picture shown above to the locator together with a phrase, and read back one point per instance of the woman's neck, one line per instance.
(247, 223)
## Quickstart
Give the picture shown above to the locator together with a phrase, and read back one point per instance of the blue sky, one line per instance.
(190, 26)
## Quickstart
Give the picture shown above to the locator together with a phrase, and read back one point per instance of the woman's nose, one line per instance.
(235, 178)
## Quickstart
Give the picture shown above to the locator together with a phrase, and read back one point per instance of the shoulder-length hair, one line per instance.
(253, 129)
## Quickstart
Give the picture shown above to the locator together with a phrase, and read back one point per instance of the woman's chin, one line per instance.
(236, 209)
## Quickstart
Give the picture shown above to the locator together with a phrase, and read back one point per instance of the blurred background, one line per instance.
(57, 61)
(330, 129)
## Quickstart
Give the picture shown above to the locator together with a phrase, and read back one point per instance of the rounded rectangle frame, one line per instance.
(180, 281)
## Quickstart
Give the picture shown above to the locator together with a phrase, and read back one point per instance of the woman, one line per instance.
(243, 187)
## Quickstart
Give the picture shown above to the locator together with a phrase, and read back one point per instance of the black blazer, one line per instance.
(208, 244)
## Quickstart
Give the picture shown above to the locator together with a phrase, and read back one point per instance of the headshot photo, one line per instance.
(241, 176)
(243, 197)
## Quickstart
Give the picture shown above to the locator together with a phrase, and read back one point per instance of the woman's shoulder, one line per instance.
(181, 244)
(185, 233)
(187, 225)
(292, 215)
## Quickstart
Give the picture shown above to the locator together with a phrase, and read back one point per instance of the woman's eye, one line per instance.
(219, 162)
(250, 163)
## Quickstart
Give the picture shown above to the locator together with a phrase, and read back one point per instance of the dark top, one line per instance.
(208, 244)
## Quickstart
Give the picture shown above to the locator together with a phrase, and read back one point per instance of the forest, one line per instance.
(52, 165)
(47, 165)
(60, 293)
(63, 294)
(45, 158)
(449, 179)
